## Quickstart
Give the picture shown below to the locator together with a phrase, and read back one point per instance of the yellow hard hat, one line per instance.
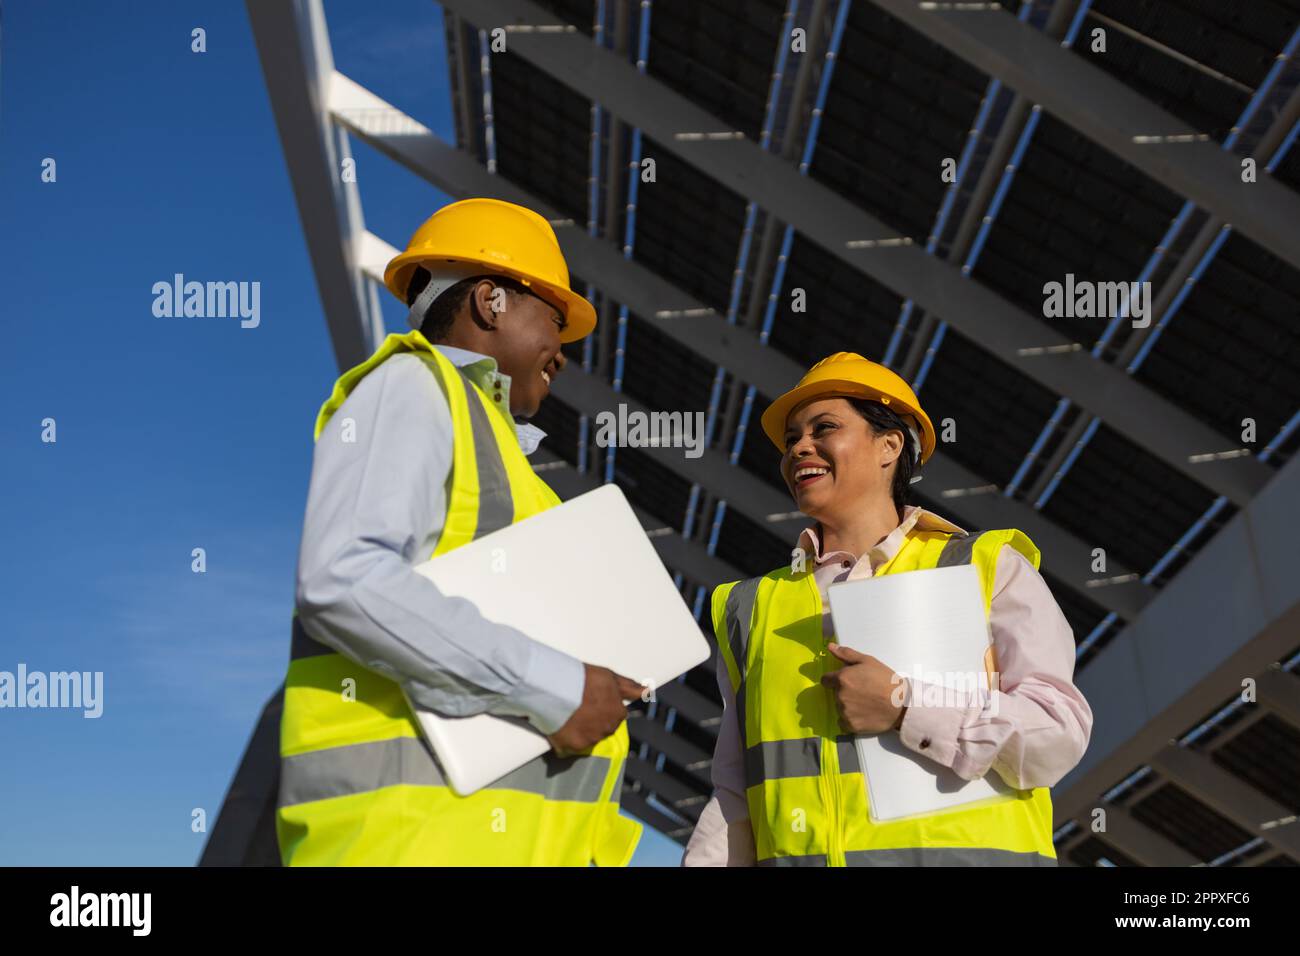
(505, 239)
(850, 375)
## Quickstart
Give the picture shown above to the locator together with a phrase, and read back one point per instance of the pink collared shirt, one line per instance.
(1034, 736)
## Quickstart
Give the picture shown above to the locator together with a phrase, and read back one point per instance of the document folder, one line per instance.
(928, 625)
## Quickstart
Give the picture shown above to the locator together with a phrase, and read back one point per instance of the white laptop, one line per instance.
(581, 577)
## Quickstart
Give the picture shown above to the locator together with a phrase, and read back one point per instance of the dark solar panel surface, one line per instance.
(1183, 820)
(1267, 756)
(1091, 851)
(897, 106)
(1072, 208)
(1232, 352)
(719, 54)
(845, 311)
(1120, 499)
(1225, 40)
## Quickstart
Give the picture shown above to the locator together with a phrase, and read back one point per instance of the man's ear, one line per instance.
(480, 304)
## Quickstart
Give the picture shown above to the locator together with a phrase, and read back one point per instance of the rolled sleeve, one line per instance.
(929, 727)
(375, 509)
(1035, 726)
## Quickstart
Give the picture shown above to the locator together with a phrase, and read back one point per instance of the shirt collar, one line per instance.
(914, 516)
(481, 369)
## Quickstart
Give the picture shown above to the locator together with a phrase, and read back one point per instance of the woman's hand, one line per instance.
(868, 693)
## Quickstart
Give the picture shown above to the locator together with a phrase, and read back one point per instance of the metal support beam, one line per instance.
(635, 804)
(1230, 797)
(416, 147)
(1279, 692)
(1241, 725)
(615, 180)
(1141, 844)
(458, 60)
(1001, 328)
(792, 140)
(1229, 614)
(681, 797)
(293, 44)
(686, 755)
(1112, 115)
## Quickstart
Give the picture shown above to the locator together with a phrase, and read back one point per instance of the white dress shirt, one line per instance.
(375, 509)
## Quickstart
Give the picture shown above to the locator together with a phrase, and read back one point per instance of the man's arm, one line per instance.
(1033, 730)
(375, 509)
(724, 836)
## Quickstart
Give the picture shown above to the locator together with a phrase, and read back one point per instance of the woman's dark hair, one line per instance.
(442, 311)
(882, 419)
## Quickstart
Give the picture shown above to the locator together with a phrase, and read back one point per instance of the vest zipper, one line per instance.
(830, 768)
(834, 808)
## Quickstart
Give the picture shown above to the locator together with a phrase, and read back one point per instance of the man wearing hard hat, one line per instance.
(417, 452)
(788, 789)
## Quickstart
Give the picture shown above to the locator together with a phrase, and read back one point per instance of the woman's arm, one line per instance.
(1033, 730)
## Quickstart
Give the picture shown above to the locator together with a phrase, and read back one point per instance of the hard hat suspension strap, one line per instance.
(441, 279)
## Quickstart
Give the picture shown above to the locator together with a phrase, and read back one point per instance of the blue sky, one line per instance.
(172, 433)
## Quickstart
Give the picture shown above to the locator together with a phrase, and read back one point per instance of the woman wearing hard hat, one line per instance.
(788, 789)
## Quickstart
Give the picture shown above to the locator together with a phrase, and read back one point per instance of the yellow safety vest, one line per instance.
(359, 785)
(803, 782)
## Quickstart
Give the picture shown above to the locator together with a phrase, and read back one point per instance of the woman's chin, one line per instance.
(811, 499)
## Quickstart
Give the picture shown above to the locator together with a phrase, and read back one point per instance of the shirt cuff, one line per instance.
(929, 729)
(551, 688)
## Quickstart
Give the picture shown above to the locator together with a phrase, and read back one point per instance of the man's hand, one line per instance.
(600, 712)
(865, 692)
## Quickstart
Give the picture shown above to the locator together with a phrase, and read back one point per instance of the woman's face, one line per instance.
(833, 459)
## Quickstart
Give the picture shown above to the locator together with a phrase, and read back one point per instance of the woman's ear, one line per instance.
(893, 440)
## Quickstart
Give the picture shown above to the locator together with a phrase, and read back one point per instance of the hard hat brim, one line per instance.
(774, 417)
(579, 314)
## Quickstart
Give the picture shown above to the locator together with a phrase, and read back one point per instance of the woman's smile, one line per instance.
(807, 473)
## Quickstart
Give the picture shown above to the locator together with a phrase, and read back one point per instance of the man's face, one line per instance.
(527, 346)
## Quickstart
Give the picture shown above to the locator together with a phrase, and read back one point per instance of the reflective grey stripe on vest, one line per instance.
(797, 757)
(921, 856)
(496, 506)
(736, 616)
(772, 759)
(957, 550)
(815, 859)
(846, 749)
(361, 768)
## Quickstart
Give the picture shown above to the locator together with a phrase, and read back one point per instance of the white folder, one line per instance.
(928, 625)
(581, 577)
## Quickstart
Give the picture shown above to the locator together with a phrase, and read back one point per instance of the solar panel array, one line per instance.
(895, 106)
